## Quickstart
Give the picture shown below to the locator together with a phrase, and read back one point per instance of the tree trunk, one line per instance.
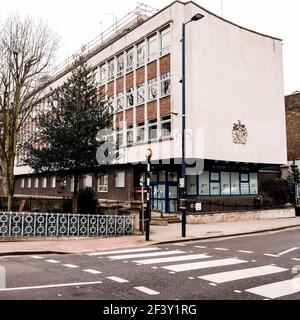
(75, 196)
(10, 184)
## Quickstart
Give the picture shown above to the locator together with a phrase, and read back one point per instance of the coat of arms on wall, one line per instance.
(239, 133)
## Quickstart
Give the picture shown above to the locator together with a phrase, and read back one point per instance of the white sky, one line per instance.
(79, 21)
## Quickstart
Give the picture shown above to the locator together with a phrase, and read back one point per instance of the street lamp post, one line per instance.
(148, 155)
(294, 168)
(196, 17)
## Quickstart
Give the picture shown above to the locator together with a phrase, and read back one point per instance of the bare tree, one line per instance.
(27, 48)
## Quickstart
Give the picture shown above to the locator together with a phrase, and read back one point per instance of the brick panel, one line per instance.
(102, 92)
(165, 106)
(110, 88)
(140, 75)
(140, 114)
(129, 116)
(165, 64)
(119, 117)
(129, 80)
(152, 70)
(120, 84)
(152, 110)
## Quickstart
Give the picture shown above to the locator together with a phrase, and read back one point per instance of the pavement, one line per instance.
(158, 234)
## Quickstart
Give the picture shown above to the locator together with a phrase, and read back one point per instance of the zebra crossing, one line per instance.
(181, 260)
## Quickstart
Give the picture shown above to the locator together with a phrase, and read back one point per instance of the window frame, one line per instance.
(129, 92)
(166, 77)
(120, 62)
(123, 183)
(150, 40)
(130, 52)
(165, 32)
(103, 186)
(140, 126)
(140, 99)
(120, 97)
(163, 121)
(140, 62)
(111, 70)
(152, 84)
(152, 123)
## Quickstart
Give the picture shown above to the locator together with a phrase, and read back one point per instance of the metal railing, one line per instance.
(29, 224)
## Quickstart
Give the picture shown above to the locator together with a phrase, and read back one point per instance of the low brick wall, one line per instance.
(240, 216)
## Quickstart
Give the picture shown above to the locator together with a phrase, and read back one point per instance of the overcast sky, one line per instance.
(79, 21)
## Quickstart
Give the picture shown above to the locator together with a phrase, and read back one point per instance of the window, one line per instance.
(88, 181)
(140, 89)
(165, 41)
(110, 105)
(129, 98)
(29, 183)
(172, 176)
(129, 60)
(103, 182)
(120, 179)
(152, 129)
(204, 183)
(130, 134)
(165, 84)
(152, 47)
(96, 75)
(36, 183)
(102, 74)
(44, 182)
(152, 89)
(191, 185)
(225, 183)
(235, 182)
(140, 54)
(140, 132)
(244, 179)
(120, 65)
(120, 101)
(53, 182)
(119, 137)
(111, 70)
(253, 183)
(22, 183)
(165, 126)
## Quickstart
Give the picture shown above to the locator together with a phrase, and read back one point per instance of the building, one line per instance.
(234, 109)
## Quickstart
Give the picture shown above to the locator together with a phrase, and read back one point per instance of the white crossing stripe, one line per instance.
(245, 251)
(72, 266)
(147, 290)
(296, 259)
(287, 251)
(149, 254)
(221, 249)
(201, 247)
(227, 276)
(122, 251)
(117, 279)
(173, 259)
(179, 244)
(52, 261)
(277, 289)
(271, 255)
(37, 257)
(92, 271)
(204, 264)
(52, 286)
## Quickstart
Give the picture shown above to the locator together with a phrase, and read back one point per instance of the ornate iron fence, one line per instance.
(29, 224)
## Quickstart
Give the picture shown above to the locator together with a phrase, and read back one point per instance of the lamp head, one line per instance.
(197, 17)
(148, 153)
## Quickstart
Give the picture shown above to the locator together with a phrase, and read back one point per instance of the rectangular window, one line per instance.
(129, 60)
(235, 183)
(140, 132)
(172, 176)
(102, 74)
(225, 183)
(165, 84)
(152, 129)
(191, 185)
(111, 70)
(165, 40)
(129, 134)
(140, 92)
(53, 182)
(166, 126)
(36, 183)
(244, 179)
(253, 183)
(120, 101)
(88, 181)
(29, 183)
(110, 105)
(119, 141)
(44, 182)
(120, 65)
(120, 179)
(204, 183)
(152, 89)
(130, 97)
(152, 47)
(140, 54)
(103, 183)
(22, 183)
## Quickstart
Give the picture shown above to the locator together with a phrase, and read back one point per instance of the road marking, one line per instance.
(287, 251)
(213, 284)
(72, 266)
(154, 267)
(296, 259)
(277, 289)
(122, 251)
(245, 251)
(221, 249)
(53, 261)
(237, 291)
(117, 279)
(201, 247)
(147, 290)
(174, 259)
(151, 254)
(179, 244)
(271, 255)
(52, 286)
(92, 271)
(227, 276)
(37, 257)
(253, 260)
(204, 264)
(191, 278)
